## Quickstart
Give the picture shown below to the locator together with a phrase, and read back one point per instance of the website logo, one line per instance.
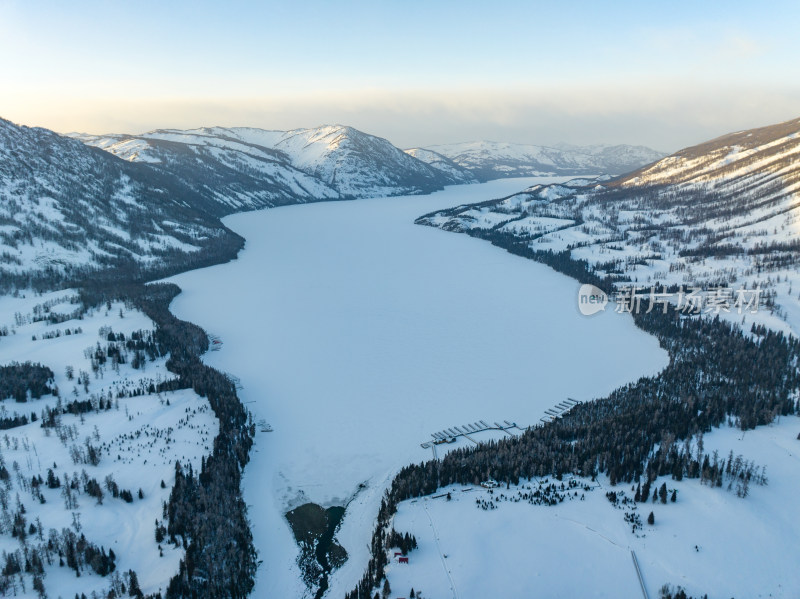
(591, 300)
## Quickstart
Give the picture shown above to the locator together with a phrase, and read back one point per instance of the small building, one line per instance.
(489, 484)
(403, 560)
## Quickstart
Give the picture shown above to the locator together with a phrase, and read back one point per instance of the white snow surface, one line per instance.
(745, 547)
(356, 334)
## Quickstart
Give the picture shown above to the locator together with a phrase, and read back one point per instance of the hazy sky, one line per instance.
(663, 74)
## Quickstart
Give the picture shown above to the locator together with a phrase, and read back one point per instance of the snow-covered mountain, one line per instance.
(245, 168)
(444, 164)
(723, 212)
(493, 160)
(68, 210)
(150, 204)
(767, 153)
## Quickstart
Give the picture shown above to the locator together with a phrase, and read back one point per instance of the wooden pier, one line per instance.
(449, 435)
(559, 410)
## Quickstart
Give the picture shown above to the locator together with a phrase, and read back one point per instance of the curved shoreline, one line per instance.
(504, 373)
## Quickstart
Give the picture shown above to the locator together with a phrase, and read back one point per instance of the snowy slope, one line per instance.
(723, 212)
(442, 163)
(708, 541)
(767, 150)
(67, 210)
(244, 168)
(493, 160)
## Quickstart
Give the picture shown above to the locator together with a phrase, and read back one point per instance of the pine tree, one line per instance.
(651, 519)
(133, 585)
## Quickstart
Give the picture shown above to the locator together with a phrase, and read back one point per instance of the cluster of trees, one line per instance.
(545, 493)
(15, 420)
(404, 542)
(57, 333)
(66, 549)
(137, 349)
(50, 417)
(17, 380)
(669, 592)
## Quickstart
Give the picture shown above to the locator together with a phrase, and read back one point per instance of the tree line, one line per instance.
(205, 512)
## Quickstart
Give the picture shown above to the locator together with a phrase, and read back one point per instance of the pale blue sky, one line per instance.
(662, 74)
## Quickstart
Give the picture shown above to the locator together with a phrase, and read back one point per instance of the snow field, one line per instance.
(746, 547)
(139, 439)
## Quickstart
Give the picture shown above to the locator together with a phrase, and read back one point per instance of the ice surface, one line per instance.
(356, 334)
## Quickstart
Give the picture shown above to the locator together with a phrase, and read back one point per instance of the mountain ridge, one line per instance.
(241, 168)
(491, 160)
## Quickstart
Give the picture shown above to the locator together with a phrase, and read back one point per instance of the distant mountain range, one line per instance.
(148, 205)
(487, 160)
(244, 168)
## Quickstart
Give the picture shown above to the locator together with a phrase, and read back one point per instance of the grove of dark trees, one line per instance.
(17, 380)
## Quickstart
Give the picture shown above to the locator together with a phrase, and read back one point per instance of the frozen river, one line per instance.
(356, 334)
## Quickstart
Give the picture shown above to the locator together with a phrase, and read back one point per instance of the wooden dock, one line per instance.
(558, 410)
(449, 435)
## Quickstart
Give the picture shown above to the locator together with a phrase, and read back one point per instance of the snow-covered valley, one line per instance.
(357, 334)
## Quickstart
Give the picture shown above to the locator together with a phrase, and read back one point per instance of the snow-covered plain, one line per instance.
(708, 541)
(139, 439)
(356, 334)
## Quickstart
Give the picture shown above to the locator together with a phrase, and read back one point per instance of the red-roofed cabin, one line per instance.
(397, 553)
(403, 560)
